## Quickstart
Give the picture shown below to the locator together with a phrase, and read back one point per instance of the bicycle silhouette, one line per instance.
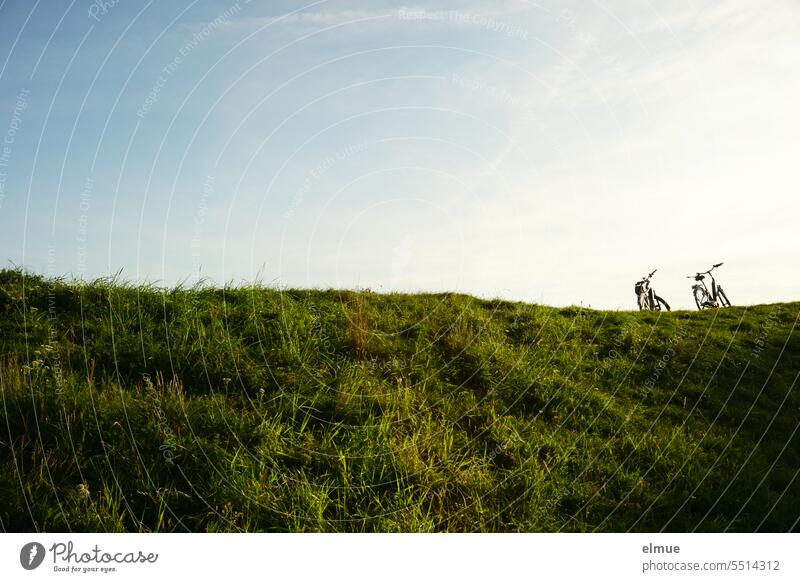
(704, 297)
(646, 295)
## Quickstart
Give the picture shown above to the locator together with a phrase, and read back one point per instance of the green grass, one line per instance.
(132, 408)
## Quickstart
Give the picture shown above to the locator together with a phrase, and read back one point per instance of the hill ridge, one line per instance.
(128, 408)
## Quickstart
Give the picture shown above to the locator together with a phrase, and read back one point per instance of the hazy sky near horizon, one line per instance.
(540, 151)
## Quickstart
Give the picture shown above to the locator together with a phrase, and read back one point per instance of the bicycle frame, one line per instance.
(714, 295)
(646, 295)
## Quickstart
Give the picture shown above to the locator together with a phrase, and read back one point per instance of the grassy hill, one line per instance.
(129, 408)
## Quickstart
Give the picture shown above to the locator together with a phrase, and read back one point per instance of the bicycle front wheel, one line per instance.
(700, 297)
(663, 303)
(651, 300)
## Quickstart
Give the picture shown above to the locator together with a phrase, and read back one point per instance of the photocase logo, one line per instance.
(31, 555)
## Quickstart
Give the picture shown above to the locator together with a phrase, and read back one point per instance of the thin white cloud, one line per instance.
(310, 18)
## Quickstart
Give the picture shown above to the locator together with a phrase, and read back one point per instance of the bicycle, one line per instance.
(646, 295)
(704, 298)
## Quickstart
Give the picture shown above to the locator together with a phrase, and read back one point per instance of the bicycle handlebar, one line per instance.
(709, 271)
(649, 276)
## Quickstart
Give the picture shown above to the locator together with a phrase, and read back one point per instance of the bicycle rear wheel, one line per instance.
(642, 301)
(722, 297)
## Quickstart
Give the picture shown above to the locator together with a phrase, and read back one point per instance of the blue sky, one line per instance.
(542, 151)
